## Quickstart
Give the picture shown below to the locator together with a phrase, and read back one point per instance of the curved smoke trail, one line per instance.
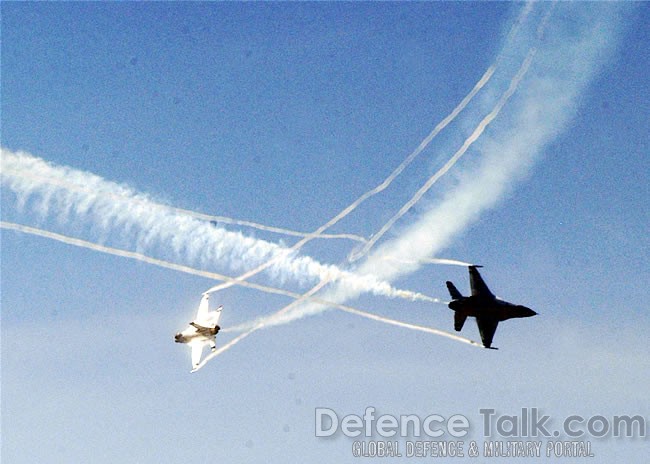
(565, 62)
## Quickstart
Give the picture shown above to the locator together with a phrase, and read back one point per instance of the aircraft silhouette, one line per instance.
(484, 306)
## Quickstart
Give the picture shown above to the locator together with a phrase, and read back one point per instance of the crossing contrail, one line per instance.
(400, 168)
(246, 328)
(565, 63)
(383, 185)
(480, 128)
(206, 217)
(117, 209)
(143, 258)
(343, 293)
(94, 188)
(261, 323)
(386, 320)
(523, 69)
(182, 268)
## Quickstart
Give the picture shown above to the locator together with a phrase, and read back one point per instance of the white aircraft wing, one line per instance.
(202, 313)
(208, 358)
(210, 319)
(197, 351)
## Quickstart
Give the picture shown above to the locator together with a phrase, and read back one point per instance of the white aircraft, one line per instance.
(201, 331)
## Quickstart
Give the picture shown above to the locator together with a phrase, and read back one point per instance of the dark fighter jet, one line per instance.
(484, 306)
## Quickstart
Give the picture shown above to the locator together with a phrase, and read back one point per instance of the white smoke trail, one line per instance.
(261, 323)
(271, 320)
(249, 327)
(399, 169)
(115, 208)
(485, 78)
(206, 217)
(278, 318)
(523, 69)
(276, 230)
(143, 258)
(566, 61)
(391, 177)
(451, 262)
(452, 161)
(182, 268)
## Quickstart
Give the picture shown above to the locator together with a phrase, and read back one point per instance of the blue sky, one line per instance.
(284, 114)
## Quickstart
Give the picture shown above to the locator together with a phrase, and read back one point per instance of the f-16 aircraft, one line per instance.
(201, 331)
(484, 306)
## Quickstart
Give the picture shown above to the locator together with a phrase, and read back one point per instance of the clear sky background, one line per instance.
(284, 114)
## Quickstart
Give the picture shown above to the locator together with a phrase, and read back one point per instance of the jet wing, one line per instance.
(197, 351)
(478, 286)
(206, 318)
(211, 319)
(202, 313)
(196, 367)
(487, 326)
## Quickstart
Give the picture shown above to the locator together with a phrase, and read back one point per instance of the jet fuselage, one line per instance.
(500, 310)
(196, 333)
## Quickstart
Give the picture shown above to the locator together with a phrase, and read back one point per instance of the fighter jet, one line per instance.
(484, 306)
(201, 331)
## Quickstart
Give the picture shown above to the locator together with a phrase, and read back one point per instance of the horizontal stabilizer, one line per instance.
(453, 291)
(459, 320)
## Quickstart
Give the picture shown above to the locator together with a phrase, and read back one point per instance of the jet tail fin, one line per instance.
(453, 291)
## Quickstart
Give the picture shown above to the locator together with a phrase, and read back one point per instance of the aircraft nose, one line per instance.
(525, 312)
